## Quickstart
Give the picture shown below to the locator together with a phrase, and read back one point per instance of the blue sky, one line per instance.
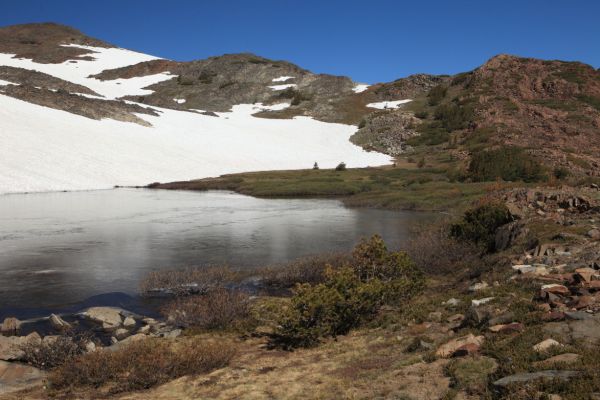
(370, 41)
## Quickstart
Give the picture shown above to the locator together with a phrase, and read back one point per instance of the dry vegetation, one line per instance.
(141, 365)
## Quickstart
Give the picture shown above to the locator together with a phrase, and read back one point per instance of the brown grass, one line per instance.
(435, 252)
(217, 309)
(142, 364)
(192, 280)
(304, 270)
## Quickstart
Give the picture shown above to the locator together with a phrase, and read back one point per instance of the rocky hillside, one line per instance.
(131, 118)
(549, 108)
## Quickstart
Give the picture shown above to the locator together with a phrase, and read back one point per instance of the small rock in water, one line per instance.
(10, 326)
(58, 323)
(108, 317)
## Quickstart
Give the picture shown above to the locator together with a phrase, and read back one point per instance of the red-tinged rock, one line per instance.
(556, 289)
(585, 274)
(504, 328)
(465, 344)
(594, 285)
(583, 302)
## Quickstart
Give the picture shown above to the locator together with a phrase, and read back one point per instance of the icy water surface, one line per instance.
(58, 249)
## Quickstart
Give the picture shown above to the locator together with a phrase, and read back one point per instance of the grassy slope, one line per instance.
(403, 187)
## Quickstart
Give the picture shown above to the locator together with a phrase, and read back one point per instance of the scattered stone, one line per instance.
(129, 322)
(435, 316)
(554, 316)
(16, 376)
(479, 302)
(171, 334)
(594, 234)
(469, 344)
(144, 329)
(121, 333)
(108, 317)
(577, 315)
(478, 287)
(533, 376)
(545, 345)
(502, 319)
(113, 340)
(90, 346)
(10, 326)
(58, 323)
(452, 302)
(133, 338)
(587, 274)
(50, 339)
(513, 327)
(11, 346)
(556, 289)
(566, 358)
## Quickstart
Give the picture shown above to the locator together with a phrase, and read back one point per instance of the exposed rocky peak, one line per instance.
(407, 88)
(43, 42)
(550, 107)
(77, 104)
(26, 77)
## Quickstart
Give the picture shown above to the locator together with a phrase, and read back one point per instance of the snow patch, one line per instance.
(361, 87)
(282, 87)
(6, 83)
(58, 150)
(78, 71)
(388, 104)
(283, 78)
(179, 101)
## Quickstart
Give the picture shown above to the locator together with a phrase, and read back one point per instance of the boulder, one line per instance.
(129, 322)
(11, 346)
(556, 289)
(58, 323)
(121, 333)
(144, 329)
(479, 286)
(534, 376)
(452, 302)
(504, 328)
(546, 345)
(566, 358)
(108, 317)
(10, 326)
(17, 376)
(478, 302)
(594, 234)
(587, 274)
(467, 344)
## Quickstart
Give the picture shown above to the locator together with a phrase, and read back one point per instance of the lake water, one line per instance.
(58, 249)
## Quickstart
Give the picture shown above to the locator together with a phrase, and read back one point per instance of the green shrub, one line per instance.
(422, 114)
(454, 116)
(560, 172)
(341, 167)
(436, 95)
(507, 163)
(349, 296)
(479, 224)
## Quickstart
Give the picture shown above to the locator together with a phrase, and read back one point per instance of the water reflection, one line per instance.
(59, 248)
